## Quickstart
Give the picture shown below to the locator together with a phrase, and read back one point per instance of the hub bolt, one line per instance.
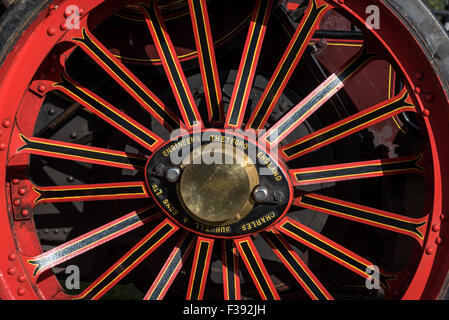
(260, 194)
(173, 174)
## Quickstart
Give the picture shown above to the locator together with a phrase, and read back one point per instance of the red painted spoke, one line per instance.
(171, 268)
(316, 99)
(287, 65)
(256, 269)
(381, 219)
(206, 56)
(296, 266)
(200, 268)
(329, 249)
(92, 239)
(90, 192)
(231, 279)
(129, 261)
(109, 63)
(359, 121)
(248, 64)
(77, 152)
(110, 114)
(172, 66)
(356, 170)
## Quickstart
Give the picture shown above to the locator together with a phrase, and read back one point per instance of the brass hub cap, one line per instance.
(218, 193)
(213, 194)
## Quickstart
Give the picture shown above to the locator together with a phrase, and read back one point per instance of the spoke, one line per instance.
(92, 239)
(287, 65)
(171, 268)
(90, 192)
(109, 63)
(248, 64)
(296, 266)
(77, 152)
(231, 279)
(381, 219)
(207, 61)
(110, 114)
(316, 99)
(356, 170)
(200, 268)
(348, 126)
(172, 66)
(129, 261)
(256, 269)
(330, 249)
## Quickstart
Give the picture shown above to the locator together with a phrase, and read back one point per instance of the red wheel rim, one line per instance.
(38, 67)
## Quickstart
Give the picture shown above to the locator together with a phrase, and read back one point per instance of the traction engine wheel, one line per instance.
(218, 150)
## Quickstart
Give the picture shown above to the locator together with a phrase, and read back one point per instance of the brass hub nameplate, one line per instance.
(217, 193)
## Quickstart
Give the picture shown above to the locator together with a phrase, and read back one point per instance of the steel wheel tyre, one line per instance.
(87, 112)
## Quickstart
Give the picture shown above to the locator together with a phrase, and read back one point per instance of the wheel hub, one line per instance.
(221, 175)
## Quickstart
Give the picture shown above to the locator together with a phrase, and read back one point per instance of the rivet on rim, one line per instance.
(430, 250)
(21, 291)
(429, 97)
(11, 271)
(51, 31)
(418, 90)
(435, 228)
(419, 75)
